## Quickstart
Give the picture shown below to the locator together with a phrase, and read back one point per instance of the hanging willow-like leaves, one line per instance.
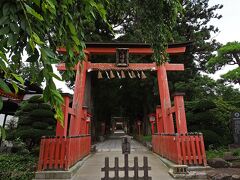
(148, 21)
(155, 19)
(38, 28)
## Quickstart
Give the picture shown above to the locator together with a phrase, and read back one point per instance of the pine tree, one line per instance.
(228, 54)
(36, 119)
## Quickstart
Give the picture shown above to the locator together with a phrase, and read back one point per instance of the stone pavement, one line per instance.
(91, 168)
(113, 145)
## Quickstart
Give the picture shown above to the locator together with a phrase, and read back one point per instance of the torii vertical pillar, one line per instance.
(168, 126)
(78, 97)
(181, 122)
(159, 120)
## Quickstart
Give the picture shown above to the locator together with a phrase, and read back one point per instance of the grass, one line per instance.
(147, 138)
(219, 153)
(236, 152)
(216, 153)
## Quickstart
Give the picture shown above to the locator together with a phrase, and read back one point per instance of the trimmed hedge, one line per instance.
(36, 119)
(41, 112)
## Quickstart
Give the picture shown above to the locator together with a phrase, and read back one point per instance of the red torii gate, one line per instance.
(134, 48)
(72, 145)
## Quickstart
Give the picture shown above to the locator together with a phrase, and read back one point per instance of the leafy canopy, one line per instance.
(39, 27)
(228, 54)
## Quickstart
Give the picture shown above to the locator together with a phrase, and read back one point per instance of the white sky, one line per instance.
(229, 26)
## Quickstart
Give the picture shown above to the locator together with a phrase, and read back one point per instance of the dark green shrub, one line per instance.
(147, 138)
(216, 153)
(40, 125)
(30, 106)
(236, 152)
(36, 119)
(211, 138)
(17, 167)
(41, 113)
(36, 99)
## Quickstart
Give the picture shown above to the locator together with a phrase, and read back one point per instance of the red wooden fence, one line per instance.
(185, 149)
(60, 153)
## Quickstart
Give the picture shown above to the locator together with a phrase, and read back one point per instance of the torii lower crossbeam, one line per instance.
(132, 66)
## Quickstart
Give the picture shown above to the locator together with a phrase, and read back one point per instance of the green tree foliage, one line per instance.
(204, 97)
(194, 25)
(145, 20)
(228, 54)
(209, 108)
(36, 119)
(209, 103)
(38, 28)
(153, 21)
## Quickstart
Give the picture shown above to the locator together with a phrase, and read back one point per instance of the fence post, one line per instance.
(68, 153)
(203, 150)
(41, 154)
(179, 154)
(106, 169)
(57, 153)
(46, 153)
(193, 147)
(145, 168)
(135, 168)
(198, 149)
(116, 168)
(126, 166)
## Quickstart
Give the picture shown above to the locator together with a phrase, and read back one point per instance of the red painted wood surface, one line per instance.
(60, 153)
(62, 130)
(111, 50)
(181, 122)
(132, 66)
(168, 125)
(185, 149)
(75, 120)
(174, 67)
(159, 120)
(182, 149)
(79, 89)
(178, 109)
(112, 66)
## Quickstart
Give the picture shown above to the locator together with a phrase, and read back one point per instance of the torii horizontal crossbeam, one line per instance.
(133, 48)
(144, 51)
(132, 66)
